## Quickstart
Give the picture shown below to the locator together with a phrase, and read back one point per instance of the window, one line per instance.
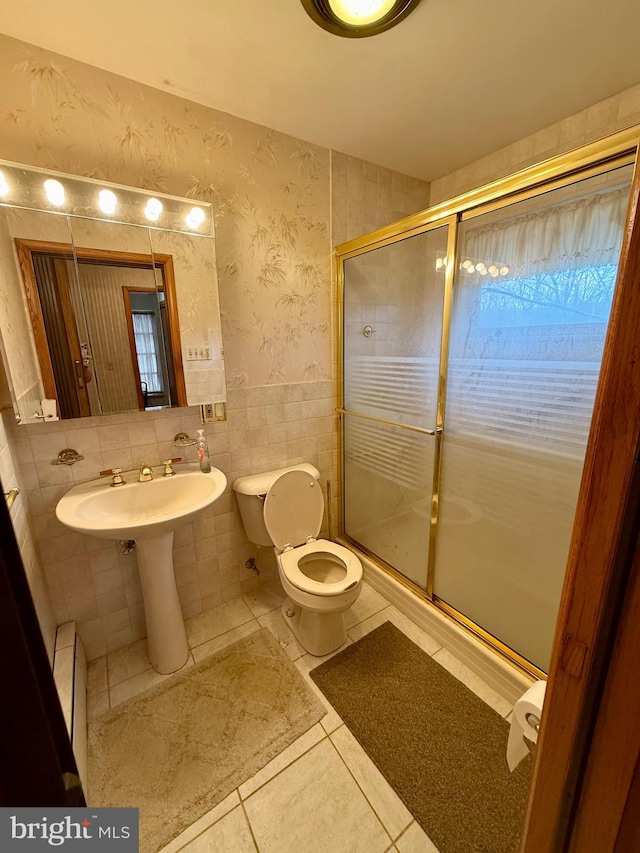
(146, 338)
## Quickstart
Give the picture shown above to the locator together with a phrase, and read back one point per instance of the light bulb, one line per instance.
(493, 270)
(195, 217)
(467, 265)
(153, 209)
(504, 270)
(55, 192)
(439, 263)
(483, 271)
(4, 186)
(480, 267)
(361, 12)
(107, 201)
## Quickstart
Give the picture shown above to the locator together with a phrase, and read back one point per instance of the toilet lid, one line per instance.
(293, 509)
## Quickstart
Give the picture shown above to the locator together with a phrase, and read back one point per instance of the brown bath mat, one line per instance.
(183, 746)
(441, 748)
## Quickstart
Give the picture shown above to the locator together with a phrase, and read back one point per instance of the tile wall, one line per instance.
(11, 477)
(93, 581)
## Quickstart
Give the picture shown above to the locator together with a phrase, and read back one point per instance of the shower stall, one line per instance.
(471, 340)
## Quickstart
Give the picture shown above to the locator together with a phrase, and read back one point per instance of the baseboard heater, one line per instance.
(70, 676)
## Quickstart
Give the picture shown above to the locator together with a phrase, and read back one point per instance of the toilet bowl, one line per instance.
(320, 578)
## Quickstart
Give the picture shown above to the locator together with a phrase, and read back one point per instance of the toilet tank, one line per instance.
(250, 492)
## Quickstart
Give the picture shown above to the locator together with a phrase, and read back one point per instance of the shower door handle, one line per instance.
(421, 430)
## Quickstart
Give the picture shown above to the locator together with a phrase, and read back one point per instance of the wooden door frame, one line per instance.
(598, 572)
(157, 262)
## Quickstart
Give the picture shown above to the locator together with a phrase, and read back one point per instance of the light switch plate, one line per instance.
(202, 353)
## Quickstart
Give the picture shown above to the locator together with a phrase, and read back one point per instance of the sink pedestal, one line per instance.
(166, 635)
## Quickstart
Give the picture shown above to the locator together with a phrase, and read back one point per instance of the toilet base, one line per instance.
(320, 633)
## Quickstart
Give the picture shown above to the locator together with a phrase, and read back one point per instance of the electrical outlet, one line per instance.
(211, 413)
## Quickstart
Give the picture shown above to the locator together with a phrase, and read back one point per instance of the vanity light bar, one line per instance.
(54, 192)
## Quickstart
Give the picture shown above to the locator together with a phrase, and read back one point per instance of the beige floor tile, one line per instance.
(303, 744)
(331, 719)
(218, 643)
(387, 805)
(217, 621)
(421, 638)
(414, 840)
(369, 602)
(357, 632)
(265, 598)
(314, 805)
(231, 834)
(97, 675)
(283, 634)
(206, 821)
(141, 682)
(129, 661)
(315, 660)
(473, 682)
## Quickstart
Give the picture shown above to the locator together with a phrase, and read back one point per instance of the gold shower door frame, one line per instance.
(610, 153)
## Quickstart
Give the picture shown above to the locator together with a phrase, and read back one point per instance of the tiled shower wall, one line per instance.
(602, 119)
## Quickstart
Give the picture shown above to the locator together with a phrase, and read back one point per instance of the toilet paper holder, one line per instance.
(534, 721)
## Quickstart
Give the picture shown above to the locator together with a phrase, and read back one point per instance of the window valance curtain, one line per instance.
(583, 232)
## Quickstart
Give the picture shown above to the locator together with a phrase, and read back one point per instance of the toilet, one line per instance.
(322, 579)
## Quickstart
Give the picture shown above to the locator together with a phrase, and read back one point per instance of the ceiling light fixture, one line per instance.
(358, 18)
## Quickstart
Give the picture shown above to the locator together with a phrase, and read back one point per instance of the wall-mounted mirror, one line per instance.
(101, 316)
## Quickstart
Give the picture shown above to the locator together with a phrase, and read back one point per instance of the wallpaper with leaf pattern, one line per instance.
(270, 193)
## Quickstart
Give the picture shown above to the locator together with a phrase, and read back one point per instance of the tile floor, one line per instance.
(320, 795)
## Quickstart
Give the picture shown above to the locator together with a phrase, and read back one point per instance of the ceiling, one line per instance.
(453, 82)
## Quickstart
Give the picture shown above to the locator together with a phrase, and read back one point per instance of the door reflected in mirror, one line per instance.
(103, 330)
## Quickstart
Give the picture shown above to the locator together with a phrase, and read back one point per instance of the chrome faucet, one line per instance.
(145, 473)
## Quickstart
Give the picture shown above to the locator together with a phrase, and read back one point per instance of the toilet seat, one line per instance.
(289, 561)
(293, 509)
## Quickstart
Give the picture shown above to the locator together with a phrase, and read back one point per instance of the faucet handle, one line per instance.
(117, 480)
(168, 470)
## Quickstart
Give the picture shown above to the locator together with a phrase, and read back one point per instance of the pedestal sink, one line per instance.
(149, 513)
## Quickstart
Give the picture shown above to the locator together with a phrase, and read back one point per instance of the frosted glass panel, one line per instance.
(388, 475)
(396, 292)
(532, 298)
(392, 328)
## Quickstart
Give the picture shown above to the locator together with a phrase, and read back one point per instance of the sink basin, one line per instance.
(140, 510)
(149, 513)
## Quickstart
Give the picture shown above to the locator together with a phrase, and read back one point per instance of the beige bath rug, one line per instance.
(441, 748)
(180, 748)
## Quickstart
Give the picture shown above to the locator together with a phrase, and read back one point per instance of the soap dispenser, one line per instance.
(203, 453)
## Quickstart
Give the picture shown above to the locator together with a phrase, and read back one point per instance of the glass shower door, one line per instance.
(532, 296)
(393, 304)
